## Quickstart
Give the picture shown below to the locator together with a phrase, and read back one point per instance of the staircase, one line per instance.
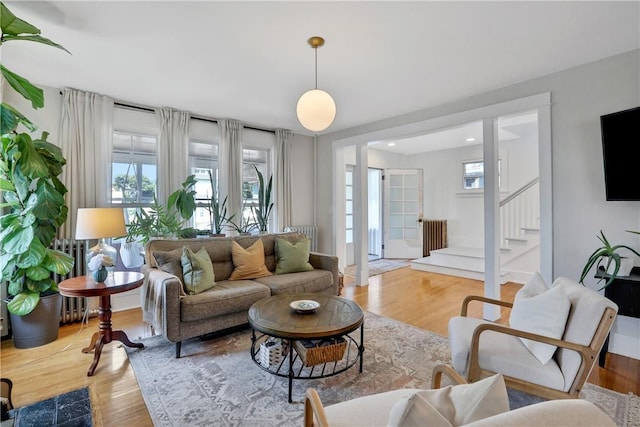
(520, 244)
(519, 259)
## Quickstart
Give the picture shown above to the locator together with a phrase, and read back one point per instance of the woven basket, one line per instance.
(316, 352)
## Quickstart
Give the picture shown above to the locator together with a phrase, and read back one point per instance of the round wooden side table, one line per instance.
(85, 286)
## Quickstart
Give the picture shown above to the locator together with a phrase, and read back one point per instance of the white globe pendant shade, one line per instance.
(316, 110)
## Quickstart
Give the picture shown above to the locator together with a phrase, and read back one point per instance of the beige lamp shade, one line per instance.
(98, 223)
(316, 110)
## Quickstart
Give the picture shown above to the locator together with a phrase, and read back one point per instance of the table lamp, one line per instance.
(100, 223)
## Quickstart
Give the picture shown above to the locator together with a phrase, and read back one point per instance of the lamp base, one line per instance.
(103, 248)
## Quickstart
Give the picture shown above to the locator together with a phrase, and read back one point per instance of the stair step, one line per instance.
(530, 230)
(424, 264)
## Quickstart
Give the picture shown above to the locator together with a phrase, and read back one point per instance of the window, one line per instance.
(133, 170)
(250, 186)
(473, 175)
(203, 160)
(349, 204)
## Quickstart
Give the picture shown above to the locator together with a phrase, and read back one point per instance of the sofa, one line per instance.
(179, 314)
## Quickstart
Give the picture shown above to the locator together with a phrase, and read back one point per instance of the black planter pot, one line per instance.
(39, 327)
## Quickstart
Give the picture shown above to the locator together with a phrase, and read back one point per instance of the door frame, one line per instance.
(540, 102)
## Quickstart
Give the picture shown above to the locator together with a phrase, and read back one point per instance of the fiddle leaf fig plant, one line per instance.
(605, 256)
(32, 193)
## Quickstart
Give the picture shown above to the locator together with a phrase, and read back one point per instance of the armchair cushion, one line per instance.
(499, 353)
(452, 405)
(540, 310)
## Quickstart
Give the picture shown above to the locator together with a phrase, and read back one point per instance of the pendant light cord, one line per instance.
(316, 53)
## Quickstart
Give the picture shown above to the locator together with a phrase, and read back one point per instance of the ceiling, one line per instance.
(250, 60)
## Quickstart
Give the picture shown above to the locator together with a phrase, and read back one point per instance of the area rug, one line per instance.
(379, 266)
(215, 383)
(72, 409)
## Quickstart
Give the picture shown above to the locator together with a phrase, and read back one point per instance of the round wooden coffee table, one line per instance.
(333, 321)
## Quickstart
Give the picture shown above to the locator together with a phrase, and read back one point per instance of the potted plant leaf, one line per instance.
(217, 210)
(263, 210)
(166, 221)
(33, 199)
(608, 261)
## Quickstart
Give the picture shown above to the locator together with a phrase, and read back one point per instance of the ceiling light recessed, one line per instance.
(391, 144)
(470, 139)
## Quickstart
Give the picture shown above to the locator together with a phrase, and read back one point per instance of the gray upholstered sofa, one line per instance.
(178, 316)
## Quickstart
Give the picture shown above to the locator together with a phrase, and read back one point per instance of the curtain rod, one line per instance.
(204, 119)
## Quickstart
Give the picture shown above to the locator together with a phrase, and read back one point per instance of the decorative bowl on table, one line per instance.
(304, 305)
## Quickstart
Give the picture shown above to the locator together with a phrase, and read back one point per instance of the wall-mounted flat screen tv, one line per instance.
(620, 148)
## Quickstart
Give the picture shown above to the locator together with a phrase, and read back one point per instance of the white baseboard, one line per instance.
(125, 300)
(627, 344)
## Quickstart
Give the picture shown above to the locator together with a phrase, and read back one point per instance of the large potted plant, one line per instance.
(263, 210)
(33, 197)
(166, 220)
(608, 261)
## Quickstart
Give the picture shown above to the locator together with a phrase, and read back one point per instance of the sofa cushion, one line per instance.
(197, 271)
(540, 310)
(169, 262)
(370, 410)
(292, 257)
(298, 283)
(499, 353)
(248, 263)
(452, 405)
(224, 298)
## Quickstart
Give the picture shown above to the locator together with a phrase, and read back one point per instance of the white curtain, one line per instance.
(283, 179)
(231, 139)
(173, 149)
(86, 139)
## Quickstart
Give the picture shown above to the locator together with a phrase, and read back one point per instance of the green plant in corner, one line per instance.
(31, 191)
(603, 257)
(263, 210)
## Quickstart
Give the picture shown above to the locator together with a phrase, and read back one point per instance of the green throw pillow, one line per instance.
(197, 271)
(292, 257)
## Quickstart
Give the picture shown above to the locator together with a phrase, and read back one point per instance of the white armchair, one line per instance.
(483, 406)
(480, 348)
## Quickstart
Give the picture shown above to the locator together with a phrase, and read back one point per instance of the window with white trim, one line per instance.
(134, 170)
(473, 174)
(203, 160)
(251, 157)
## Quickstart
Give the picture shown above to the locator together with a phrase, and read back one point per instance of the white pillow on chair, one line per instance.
(452, 405)
(540, 310)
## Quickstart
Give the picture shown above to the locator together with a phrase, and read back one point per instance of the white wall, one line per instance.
(580, 95)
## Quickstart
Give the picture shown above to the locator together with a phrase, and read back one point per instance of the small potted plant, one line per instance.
(263, 210)
(98, 266)
(217, 210)
(607, 259)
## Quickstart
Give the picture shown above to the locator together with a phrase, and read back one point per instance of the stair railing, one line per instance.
(519, 209)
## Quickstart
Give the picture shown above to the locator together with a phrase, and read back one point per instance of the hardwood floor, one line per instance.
(421, 299)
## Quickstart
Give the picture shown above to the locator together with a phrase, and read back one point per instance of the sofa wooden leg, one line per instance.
(178, 347)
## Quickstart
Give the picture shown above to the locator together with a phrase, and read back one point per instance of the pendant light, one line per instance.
(316, 109)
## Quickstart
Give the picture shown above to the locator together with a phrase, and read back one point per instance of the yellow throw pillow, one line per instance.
(197, 271)
(248, 263)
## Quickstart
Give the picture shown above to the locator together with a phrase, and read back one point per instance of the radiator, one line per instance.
(435, 235)
(73, 308)
(311, 231)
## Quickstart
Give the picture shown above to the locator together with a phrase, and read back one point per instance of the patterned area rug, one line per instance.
(215, 383)
(379, 266)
